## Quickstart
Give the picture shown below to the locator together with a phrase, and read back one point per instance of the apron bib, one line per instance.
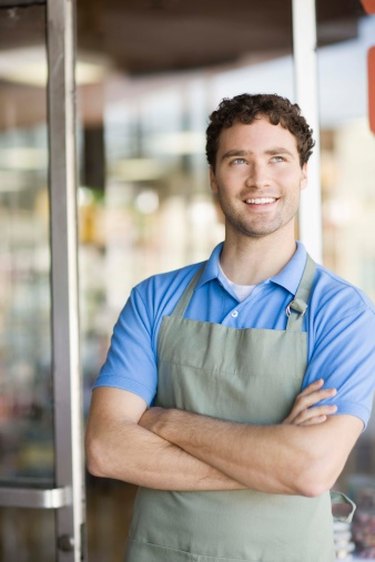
(247, 376)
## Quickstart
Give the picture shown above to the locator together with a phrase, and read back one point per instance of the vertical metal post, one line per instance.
(306, 87)
(65, 324)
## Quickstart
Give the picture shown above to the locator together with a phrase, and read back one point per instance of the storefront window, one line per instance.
(25, 347)
(348, 197)
(26, 406)
(152, 210)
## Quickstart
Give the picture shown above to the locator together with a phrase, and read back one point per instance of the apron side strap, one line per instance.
(297, 308)
(307, 280)
(182, 304)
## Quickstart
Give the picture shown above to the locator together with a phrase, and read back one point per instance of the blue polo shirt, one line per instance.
(340, 322)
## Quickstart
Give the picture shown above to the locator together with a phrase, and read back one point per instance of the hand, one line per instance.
(304, 412)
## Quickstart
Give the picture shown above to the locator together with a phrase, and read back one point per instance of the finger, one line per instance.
(305, 408)
(310, 396)
(312, 387)
(306, 401)
(315, 420)
(326, 410)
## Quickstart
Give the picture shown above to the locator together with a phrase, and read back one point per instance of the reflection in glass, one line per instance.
(25, 345)
(348, 169)
(27, 535)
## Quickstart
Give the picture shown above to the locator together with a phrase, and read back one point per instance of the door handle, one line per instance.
(52, 498)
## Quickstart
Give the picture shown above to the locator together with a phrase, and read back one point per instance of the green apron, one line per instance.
(243, 375)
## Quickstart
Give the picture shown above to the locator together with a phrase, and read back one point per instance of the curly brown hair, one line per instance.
(244, 108)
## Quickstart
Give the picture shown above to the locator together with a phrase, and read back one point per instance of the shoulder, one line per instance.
(333, 293)
(160, 293)
(338, 309)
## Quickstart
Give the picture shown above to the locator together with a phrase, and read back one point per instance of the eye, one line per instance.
(278, 158)
(237, 161)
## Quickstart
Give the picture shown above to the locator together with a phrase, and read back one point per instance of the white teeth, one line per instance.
(261, 201)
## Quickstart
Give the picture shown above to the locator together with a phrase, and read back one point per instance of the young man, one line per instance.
(199, 401)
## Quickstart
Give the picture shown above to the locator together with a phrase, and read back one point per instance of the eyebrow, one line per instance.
(280, 150)
(271, 151)
(234, 152)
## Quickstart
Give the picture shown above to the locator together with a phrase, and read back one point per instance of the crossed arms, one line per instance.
(171, 449)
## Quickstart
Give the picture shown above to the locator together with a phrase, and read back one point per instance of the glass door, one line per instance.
(41, 466)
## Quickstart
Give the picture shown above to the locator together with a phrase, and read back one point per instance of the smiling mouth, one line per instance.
(260, 200)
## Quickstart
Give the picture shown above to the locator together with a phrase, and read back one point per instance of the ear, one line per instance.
(213, 183)
(304, 176)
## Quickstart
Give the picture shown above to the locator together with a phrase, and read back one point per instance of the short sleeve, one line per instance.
(131, 362)
(344, 356)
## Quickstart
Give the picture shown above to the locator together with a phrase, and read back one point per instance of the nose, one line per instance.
(257, 174)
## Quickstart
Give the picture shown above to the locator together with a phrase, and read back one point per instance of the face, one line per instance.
(258, 179)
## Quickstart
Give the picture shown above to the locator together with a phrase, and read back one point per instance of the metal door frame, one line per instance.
(306, 94)
(67, 498)
(68, 409)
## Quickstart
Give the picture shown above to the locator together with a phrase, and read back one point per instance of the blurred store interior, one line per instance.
(148, 74)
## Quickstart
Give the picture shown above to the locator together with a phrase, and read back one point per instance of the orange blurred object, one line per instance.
(369, 6)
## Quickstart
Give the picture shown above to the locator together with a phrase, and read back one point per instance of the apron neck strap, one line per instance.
(182, 304)
(297, 308)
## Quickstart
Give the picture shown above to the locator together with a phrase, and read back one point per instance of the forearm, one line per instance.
(133, 454)
(240, 451)
(282, 459)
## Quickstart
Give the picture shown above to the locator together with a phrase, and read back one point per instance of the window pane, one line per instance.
(25, 346)
(348, 171)
(27, 535)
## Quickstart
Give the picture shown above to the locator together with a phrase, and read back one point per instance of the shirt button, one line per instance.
(234, 314)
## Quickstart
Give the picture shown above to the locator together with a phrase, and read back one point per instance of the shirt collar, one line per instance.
(289, 277)
(211, 269)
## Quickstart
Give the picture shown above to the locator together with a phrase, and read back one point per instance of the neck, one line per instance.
(248, 261)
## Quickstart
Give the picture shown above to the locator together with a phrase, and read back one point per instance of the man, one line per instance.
(199, 401)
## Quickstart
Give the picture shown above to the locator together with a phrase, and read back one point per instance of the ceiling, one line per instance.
(148, 36)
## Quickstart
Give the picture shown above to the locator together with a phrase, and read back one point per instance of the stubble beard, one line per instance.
(258, 230)
(255, 227)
